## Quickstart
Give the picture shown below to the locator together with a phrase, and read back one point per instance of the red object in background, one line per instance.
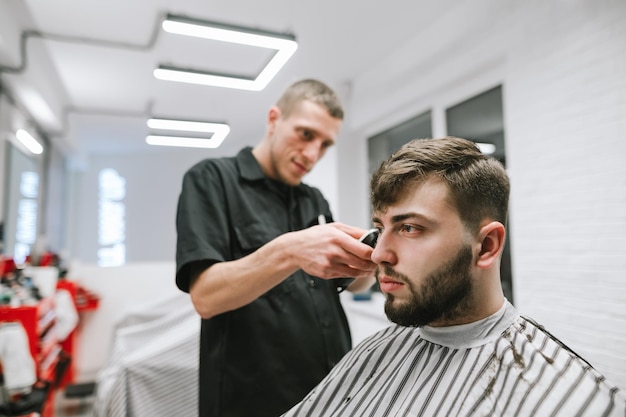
(83, 301)
(45, 259)
(6, 265)
(46, 350)
(38, 320)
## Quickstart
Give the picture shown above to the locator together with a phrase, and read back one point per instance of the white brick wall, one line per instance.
(562, 65)
(566, 138)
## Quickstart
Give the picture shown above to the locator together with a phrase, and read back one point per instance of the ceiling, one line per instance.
(103, 54)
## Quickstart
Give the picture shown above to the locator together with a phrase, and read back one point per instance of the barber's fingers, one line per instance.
(333, 250)
(353, 231)
(360, 260)
(352, 242)
(348, 271)
(353, 258)
(330, 270)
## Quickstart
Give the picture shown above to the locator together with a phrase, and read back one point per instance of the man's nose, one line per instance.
(383, 251)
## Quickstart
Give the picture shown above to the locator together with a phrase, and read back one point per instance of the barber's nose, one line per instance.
(312, 151)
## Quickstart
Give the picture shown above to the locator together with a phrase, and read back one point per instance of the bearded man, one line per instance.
(458, 348)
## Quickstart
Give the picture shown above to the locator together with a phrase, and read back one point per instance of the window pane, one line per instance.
(383, 144)
(480, 119)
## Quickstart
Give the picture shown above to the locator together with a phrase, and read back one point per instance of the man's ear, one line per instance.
(492, 242)
(273, 114)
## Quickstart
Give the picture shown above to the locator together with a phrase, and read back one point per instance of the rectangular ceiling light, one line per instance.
(219, 130)
(29, 142)
(284, 44)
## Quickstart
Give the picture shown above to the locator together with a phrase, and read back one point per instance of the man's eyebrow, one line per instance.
(405, 216)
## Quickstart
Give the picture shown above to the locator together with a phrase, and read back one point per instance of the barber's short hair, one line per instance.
(312, 90)
(478, 184)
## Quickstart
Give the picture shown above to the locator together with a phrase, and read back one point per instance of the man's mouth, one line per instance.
(388, 284)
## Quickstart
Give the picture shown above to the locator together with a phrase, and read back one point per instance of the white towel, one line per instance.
(67, 316)
(17, 363)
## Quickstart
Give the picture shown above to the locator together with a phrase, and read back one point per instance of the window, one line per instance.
(112, 219)
(480, 119)
(21, 204)
(383, 144)
(26, 226)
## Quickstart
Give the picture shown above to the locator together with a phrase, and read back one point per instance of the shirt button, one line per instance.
(312, 283)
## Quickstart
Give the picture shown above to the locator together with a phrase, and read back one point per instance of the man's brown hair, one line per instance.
(478, 184)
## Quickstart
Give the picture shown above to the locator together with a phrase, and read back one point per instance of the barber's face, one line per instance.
(299, 140)
(424, 258)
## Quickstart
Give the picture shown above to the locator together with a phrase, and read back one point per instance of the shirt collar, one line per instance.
(248, 166)
(250, 169)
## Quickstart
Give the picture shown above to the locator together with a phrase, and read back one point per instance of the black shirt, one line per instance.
(262, 358)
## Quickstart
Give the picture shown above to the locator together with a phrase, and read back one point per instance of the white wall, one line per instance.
(567, 121)
(3, 147)
(56, 202)
(122, 290)
(153, 183)
(562, 66)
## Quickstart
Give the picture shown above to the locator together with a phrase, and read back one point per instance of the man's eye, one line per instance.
(409, 228)
(307, 134)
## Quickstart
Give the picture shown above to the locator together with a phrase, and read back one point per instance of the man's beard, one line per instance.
(441, 295)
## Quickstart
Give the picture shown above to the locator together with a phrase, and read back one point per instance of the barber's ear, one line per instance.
(272, 116)
(492, 242)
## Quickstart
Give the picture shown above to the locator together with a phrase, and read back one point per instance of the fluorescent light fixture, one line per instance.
(486, 148)
(285, 46)
(29, 142)
(183, 142)
(187, 126)
(219, 130)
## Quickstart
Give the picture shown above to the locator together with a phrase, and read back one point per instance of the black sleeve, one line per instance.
(202, 222)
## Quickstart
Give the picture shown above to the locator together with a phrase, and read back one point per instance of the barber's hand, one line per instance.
(332, 250)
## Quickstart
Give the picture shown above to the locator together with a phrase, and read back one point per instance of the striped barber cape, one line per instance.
(504, 365)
